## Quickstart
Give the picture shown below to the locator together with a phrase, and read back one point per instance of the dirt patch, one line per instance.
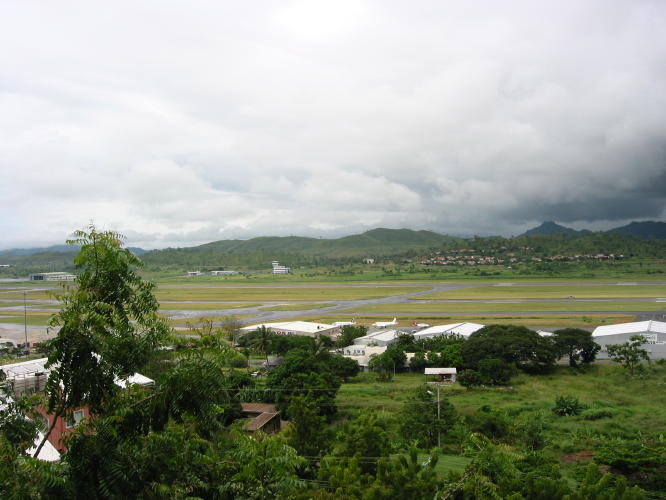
(580, 456)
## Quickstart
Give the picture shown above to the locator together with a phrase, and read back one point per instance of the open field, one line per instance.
(551, 292)
(282, 293)
(638, 407)
(295, 307)
(34, 318)
(569, 306)
(203, 306)
(32, 295)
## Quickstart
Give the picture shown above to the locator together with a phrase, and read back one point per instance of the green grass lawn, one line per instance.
(295, 307)
(550, 292)
(33, 318)
(206, 306)
(34, 295)
(569, 306)
(280, 293)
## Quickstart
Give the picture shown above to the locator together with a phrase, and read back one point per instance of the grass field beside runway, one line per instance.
(517, 291)
(295, 307)
(205, 306)
(282, 293)
(572, 306)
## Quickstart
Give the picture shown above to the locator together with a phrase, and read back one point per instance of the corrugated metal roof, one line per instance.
(634, 327)
(464, 329)
(440, 371)
(297, 326)
(258, 408)
(258, 422)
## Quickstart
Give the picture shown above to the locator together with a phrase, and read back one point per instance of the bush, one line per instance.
(597, 413)
(566, 406)
(496, 371)
(469, 378)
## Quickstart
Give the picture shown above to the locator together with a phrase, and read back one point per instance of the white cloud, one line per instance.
(179, 124)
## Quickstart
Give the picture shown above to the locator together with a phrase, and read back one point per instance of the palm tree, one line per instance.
(262, 340)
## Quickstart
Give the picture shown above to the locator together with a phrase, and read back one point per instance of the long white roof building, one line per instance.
(463, 329)
(305, 328)
(654, 333)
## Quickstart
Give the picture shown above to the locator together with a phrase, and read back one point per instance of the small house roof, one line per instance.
(260, 420)
(258, 408)
(440, 371)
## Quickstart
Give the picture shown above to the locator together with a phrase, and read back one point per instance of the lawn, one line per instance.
(569, 306)
(563, 291)
(295, 307)
(274, 293)
(203, 306)
(33, 318)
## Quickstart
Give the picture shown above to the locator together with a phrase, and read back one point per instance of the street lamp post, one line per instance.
(25, 319)
(439, 440)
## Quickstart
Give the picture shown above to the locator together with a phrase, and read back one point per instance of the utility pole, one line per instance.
(439, 428)
(25, 321)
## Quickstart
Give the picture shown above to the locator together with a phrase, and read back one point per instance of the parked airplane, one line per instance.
(384, 324)
(345, 323)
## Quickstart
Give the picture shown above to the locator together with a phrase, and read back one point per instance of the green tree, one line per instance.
(419, 419)
(344, 368)
(307, 432)
(511, 343)
(575, 343)
(350, 332)
(302, 374)
(261, 340)
(388, 362)
(364, 438)
(108, 326)
(630, 354)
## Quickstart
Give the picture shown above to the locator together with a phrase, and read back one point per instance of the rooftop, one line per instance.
(297, 326)
(634, 327)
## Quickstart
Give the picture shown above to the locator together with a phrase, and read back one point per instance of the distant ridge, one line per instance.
(645, 229)
(549, 228)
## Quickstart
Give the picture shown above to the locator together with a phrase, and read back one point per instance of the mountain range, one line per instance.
(645, 229)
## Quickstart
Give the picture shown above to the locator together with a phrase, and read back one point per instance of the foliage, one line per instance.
(490, 422)
(597, 413)
(302, 374)
(566, 406)
(344, 368)
(307, 432)
(419, 420)
(495, 371)
(630, 354)
(469, 378)
(108, 325)
(644, 460)
(365, 438)
(575, 343)
(350, 332)
(19, 431)
(388, 362)
(510, 343)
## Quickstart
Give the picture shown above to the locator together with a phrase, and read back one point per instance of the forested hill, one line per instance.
(257, 253)
(291, 250)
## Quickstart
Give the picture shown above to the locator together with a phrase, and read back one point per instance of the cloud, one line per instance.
(178, 125)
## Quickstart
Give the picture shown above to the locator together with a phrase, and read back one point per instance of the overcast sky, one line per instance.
(178, 123)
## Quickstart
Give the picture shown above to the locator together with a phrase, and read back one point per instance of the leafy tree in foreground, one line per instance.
(575, 343)
(386, 363)
(307, 432)
(630, 354)
(418, 417)
(108, 326)
(364, 438)
(302, 374)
